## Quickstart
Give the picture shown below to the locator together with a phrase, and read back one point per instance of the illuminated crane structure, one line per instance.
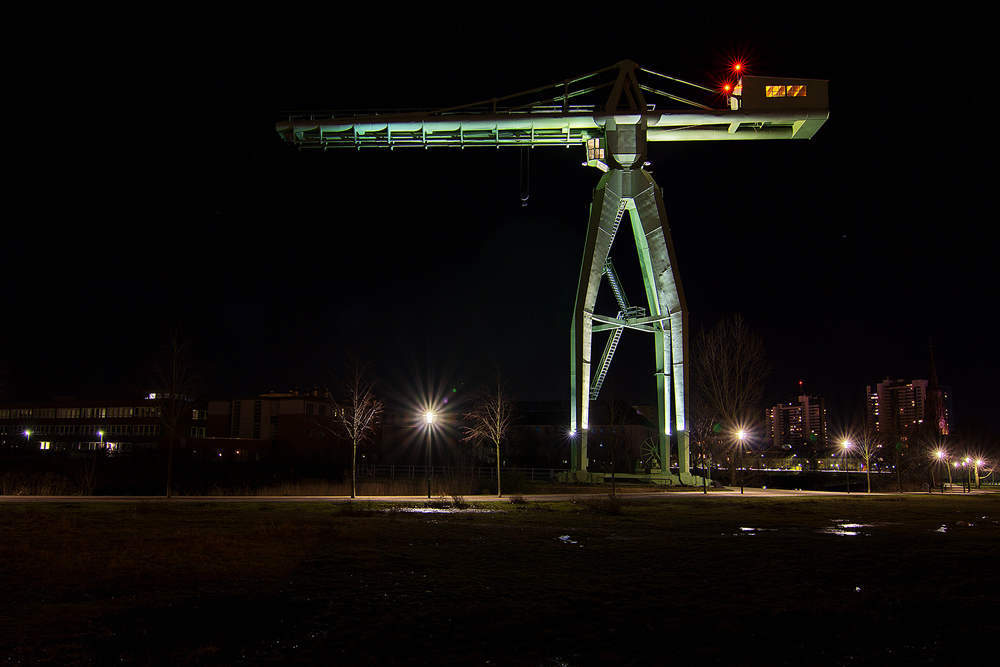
(614, 135)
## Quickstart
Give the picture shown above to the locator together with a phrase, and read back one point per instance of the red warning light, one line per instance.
(726, 88)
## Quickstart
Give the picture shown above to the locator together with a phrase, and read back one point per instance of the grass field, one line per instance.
(885, 580)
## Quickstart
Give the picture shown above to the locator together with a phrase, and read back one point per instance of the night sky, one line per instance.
(150, 191)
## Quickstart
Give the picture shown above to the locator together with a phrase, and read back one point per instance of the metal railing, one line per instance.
(479, 472)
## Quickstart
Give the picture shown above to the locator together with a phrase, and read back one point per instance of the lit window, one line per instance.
(594, 150)
(774, 91)
(795, 91)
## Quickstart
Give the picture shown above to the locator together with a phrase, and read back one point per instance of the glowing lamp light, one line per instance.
(429, 417)
(742, 435)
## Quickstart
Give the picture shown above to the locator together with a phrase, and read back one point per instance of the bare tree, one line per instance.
(868, 445)
(705, 436)
(356, 411)
(89, 476)
(176, 381)
(489, 418)
(729, 368)
(615, 413)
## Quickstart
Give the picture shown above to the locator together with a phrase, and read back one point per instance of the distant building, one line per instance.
(66, 424)
(295, 424)
(899, 407)
(936, 406)
(802, 422)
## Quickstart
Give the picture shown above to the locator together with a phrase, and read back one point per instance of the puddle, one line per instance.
(439, 510)
(745, 530)
(942, 529)
(845, 530)
(566, 540)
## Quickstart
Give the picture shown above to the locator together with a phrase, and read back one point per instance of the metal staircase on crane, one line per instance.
(625, 314)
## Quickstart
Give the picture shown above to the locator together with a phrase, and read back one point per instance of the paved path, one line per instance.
(727, 493)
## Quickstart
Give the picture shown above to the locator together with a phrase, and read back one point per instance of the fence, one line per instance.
(421, 472)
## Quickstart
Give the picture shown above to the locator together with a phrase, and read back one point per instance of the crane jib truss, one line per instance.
(614, 132)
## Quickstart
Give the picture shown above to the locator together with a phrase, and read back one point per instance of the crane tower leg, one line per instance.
(635, 191)
(658, 263)
(604, 217)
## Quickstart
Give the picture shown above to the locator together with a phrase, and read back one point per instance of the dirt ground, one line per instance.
(830, 580)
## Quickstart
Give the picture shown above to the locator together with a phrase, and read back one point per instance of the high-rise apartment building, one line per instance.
(898, 406)
(798, 423)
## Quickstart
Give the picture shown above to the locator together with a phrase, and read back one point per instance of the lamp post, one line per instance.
(101, 433)
(743, 435)
(941, 457)
(429, 418)
(27, 435)
(847, 452)
(978, 462)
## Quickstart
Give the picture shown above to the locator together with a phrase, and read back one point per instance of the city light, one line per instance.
(847, 452)
(741, 434)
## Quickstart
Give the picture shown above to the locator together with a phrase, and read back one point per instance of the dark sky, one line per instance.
(151, 191)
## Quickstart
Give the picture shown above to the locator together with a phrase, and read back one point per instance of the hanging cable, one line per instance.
(525, 171)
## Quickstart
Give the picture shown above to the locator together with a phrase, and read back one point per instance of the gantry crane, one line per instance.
(615, 135)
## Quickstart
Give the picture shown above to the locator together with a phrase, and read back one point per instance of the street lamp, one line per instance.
(742, 434)
(429, 419)
(847, 453)
(27, 434)
(101, 433)
(941, 457)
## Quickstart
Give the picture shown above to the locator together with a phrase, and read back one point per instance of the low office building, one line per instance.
(66, 424)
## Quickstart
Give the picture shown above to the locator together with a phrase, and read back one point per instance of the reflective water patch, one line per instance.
(845, 529)
(442, 510)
